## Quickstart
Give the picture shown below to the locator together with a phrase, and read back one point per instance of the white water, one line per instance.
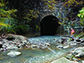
(36, 56)
(51, 50)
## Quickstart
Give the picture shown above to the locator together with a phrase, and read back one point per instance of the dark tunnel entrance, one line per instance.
(49, 25)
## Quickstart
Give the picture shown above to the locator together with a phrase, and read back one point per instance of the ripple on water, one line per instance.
(35, 56)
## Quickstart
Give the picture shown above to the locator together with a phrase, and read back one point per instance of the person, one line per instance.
(72, 33)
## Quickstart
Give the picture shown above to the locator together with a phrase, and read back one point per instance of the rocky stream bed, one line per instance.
(14, 45)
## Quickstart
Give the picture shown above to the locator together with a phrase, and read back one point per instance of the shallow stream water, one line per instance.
(37, 55)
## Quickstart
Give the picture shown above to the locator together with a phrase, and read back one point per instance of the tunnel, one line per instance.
(49, 25)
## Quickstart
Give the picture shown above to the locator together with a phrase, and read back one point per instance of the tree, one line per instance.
(27, 14)
(81, 15)
(5, 14)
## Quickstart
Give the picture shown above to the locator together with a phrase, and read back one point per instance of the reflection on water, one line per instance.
(38, 55)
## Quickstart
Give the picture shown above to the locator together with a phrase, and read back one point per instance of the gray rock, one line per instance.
(14, 53)
(81, 54)
(78, 52)
(72, 43)
(1, 44)
(24, 41)
(11, 47)
(1, 49)
(42, 47)
(4, 40)
(60, 46)
(47, 44)
(65, 47)
(62, 60)
(60, 41)
(33, 46)
(69, 56)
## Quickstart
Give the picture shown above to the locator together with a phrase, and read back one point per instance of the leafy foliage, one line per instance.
(50, 4)
(26, 17)
(81, 15)
(31, 14)
(5, 14)
(71, 3)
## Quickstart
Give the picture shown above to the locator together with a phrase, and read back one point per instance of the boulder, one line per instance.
(65, 47)
(0, 44)
(14, 53)
(47, 44)
(42, 47)
(33, 46)
(11, 47)
(63, 40)
(18, 37)
(10, 37)
(72, 43)
(79, 55)
(60, 46)
(1, 49)
(82, 61)
(78, 40)
(60, 41)
(82, 40)
(78, 52)
(69, 56)
(24, 41)
(63, 60)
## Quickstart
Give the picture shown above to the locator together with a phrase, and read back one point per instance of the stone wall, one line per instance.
(59, 12)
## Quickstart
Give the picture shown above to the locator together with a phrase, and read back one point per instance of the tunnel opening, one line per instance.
(49, 25)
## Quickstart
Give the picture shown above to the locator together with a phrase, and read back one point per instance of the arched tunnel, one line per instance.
(49, 25)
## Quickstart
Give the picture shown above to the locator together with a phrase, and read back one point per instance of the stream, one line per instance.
(37, 55)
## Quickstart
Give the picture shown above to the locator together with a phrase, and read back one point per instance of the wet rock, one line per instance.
(34, 46)
(10, 37)
(4, 40)
(14, 53)
(78, 40)
(47, 44)
(75, 52)
(19, 45)
(79, 55)
(60, 46)
(42, 47)
(72, 43)
(1, 49)
(65, 47)
(69, 56)
(54, 39)
(78, 52)
(0, 44)
(82, 61)
(62, 60)
(24, 41)
(28, 46)
(60, 41)
(12, 47)
(82, 40)
(3, 36)
(63, 40)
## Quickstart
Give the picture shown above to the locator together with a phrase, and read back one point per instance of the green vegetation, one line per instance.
(5, 15)
(81, 15)
(24, 17)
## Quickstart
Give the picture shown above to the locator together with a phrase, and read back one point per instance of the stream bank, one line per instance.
(40, 49)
